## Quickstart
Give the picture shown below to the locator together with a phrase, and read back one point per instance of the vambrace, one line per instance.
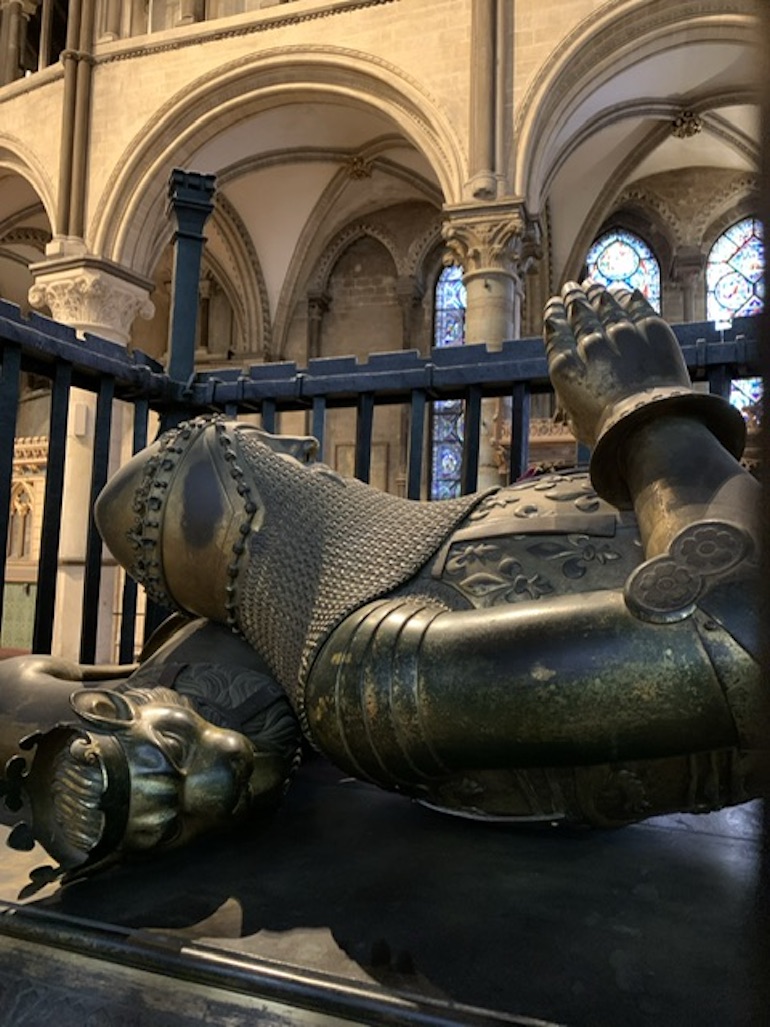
(570, 708)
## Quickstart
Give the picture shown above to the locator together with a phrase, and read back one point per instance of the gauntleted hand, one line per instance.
(604, 347)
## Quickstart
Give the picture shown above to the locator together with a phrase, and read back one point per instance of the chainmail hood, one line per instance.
(327, 546)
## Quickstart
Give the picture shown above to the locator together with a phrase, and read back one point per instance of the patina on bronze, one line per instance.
(578, 647)
(156, 755)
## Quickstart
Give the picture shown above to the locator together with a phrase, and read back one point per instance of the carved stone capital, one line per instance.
(25, 7)
(91, 295)
(688, 263)
(486, 238)
(317, 305)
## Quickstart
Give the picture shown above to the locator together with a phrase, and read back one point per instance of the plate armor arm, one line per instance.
(616, 719)
(641, 697)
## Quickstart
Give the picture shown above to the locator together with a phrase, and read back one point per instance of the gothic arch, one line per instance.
(343, 241)
(314, 238)
(317, 282)
(422, 249)
(626, 37)
(131, 206)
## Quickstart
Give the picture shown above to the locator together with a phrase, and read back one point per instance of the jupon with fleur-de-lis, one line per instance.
(520, 567)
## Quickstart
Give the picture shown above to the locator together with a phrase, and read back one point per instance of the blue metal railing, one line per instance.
(46, 349)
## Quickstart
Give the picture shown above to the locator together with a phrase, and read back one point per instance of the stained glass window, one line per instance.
(735, 272)
(746, 395)
(622, 257)
(447, 430)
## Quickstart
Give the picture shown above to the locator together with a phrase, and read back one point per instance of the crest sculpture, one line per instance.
(579, 647)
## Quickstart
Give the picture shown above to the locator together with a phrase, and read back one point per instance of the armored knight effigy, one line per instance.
(578, 647)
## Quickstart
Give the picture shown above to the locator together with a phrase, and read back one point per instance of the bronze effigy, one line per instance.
(579, 647)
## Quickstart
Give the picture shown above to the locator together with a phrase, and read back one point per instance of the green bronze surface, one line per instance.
(579, 646)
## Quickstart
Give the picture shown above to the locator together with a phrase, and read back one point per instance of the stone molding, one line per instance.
(248, 269)
(91, 295)
(30, 455)
(689, 227)
(195, 33)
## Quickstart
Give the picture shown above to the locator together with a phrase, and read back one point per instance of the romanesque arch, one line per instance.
(125, 222)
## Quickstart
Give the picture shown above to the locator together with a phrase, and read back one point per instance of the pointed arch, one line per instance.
(625, 37)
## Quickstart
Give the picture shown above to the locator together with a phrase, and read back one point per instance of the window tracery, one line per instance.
(735, 287)
(623, 258)
(735, 272)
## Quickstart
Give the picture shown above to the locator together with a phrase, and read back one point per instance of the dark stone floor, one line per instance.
(654, 924)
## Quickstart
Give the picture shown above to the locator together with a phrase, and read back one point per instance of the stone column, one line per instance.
(483, 183)
(532, 271)
(494, 244)
(77, 61)
(190, 11)
(317, 305)
(205, 289)
(92, 295)
(46, 28)
(82, 121)
(410, 293)
(687, 272)
(487, 241)
(13, 32)
(191, 201)
(111, 21)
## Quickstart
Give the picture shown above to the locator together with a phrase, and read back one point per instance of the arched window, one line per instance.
(735, 287)
(735, 272)
(622, 257)
(449, 306)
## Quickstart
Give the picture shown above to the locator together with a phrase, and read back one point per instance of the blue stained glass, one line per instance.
(732, 291)
(447, 422)
(622, 258)
(746, 395)
(450, 328)
(735, 284)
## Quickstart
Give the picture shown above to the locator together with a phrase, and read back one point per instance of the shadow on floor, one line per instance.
(646, 925)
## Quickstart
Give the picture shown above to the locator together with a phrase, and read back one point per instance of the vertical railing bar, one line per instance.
(719, 381)
(520, 424)
(364, 425)
(416, 452)
(471, 440)
(318, 424)
(268, 414)
(127, 641)
(45, 600)
(94, 546)
(9, 405)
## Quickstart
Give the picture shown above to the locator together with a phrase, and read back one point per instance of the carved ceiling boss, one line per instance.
(574, 647)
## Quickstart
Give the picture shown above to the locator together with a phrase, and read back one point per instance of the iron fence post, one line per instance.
(191, 201)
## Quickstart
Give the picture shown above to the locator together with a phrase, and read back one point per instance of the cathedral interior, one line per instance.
(400, 175)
